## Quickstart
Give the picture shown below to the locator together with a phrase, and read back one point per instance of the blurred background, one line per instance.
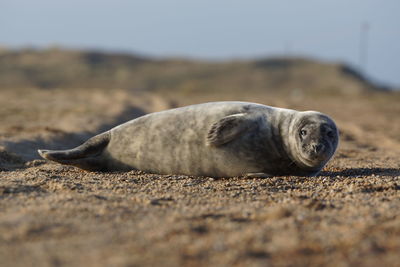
(80, 67)
(363, 34)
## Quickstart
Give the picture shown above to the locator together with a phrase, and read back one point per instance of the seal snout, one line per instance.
(318, 147)
(317, 150)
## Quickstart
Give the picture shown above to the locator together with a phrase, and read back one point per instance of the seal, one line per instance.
(216, 139)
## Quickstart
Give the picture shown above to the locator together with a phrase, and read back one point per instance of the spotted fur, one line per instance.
(217, 139)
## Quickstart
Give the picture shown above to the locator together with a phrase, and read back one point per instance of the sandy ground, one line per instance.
(53, 215)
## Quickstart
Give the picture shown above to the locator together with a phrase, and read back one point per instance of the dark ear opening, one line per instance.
(229, 128)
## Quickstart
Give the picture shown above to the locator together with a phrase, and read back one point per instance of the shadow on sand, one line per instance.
(355, 172)
(26, 149)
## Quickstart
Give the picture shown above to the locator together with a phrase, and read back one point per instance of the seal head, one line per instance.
(313, 139)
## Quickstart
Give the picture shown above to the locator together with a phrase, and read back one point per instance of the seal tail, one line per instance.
(86, 156)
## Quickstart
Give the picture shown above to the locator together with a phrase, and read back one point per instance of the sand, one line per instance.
(54, 215)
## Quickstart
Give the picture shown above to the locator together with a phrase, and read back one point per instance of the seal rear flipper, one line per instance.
(86, 156)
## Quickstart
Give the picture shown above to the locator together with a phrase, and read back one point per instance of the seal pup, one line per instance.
(216, 139)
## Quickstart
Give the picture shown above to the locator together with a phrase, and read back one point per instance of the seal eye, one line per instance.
(303, 133)
(330, 134)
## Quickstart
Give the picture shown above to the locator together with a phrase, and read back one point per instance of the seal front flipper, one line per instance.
(86, 156)
(230, 127)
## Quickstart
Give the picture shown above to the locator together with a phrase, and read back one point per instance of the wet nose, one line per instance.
(318, 147)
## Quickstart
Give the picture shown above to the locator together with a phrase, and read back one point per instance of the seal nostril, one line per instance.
(319, 147)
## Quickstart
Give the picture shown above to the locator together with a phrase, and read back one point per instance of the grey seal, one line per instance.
(216, 139)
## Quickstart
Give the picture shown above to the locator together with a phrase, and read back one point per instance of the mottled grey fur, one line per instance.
(218, 139)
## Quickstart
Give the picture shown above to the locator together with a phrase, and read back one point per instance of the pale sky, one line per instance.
(219, 29)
